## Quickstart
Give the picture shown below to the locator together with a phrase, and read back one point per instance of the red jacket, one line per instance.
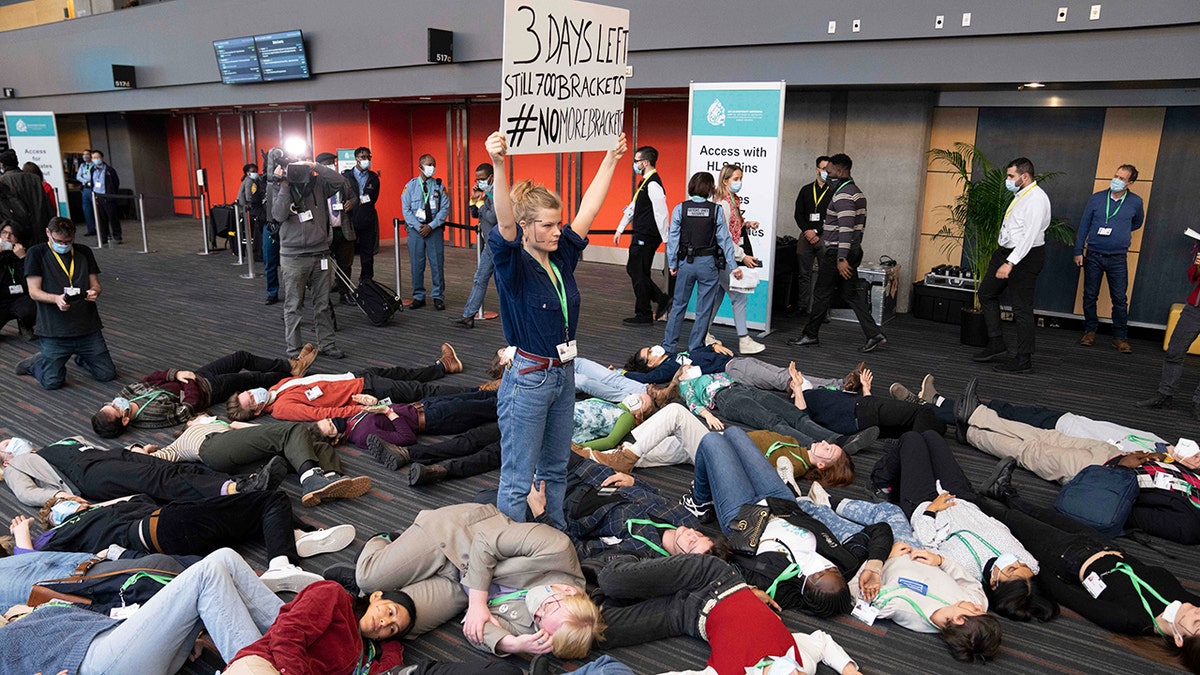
(292, 404)
(737, 617)
(196, 392)
(1194, 277)
(317, 634)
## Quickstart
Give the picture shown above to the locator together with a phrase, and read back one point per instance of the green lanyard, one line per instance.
(365, 658)
(150, 395)
(561, 289)
(790, 572)
(506, 597)
(164, 580)
(653, 546)
(1138, 585)
(959, 534)
(1108, 216)
(888, 595)
(778, 445)
(1146, 443)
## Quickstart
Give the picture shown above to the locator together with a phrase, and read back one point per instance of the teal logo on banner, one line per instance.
(742, 112)
(31, 125)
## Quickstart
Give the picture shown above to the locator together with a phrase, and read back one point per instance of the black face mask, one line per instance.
(834, 181)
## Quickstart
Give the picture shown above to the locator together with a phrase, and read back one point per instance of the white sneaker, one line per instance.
(710, 339)
(818, 495)
(747, 345)
(783, 466)
(288, 578)
(335, 538)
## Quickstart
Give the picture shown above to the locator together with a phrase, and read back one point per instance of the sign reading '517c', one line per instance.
(564, 75)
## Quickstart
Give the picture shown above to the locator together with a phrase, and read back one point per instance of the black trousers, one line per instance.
(913, 466)
(108, 217)
(1021, 285)
(101, 475)
(245, 450)
(829, 282)
(457, 413)
(366, 240)
(240, 371)
(492, 666)
(469, 454)
(201, 527)
(896, 417)
(20, 308)
(639, 268)
(806, 255)
(343, 256)
(1034, 416)
(406, 385)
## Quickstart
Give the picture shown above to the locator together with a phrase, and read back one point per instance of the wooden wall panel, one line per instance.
(1131, 136)
(950, 126)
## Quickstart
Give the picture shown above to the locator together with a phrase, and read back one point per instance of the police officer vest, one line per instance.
(643, 224)
(697, 228)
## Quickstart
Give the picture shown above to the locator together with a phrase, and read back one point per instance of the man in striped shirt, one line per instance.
(841, 241)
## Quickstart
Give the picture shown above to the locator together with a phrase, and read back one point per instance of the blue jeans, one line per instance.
(605, 665)
(737, 303)
(483, 274)
(89, 213)
(221, 591)
(594, 379)
(270, 253)
(758, 409)
(731, 471)
(537, 412)
(432, 247)
(866, 513)
(1116, 266)
(704, 277)
(90, 352)
(19, 572)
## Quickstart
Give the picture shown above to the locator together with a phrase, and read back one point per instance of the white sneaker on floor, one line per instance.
(710, 339)
(288, 579)
(818, 495)
(783, 466)
(333, 539)
(747, 345)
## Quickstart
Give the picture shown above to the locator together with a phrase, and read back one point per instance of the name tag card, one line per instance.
(814, 217)
(305, 216)
(1094, 584)
(365, 199)
(314, 393)
(864, 612)
(1104, 231)
(15, 289)
(70, 291)
(567, 351)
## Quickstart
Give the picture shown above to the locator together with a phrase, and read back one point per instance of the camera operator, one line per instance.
(300, 205)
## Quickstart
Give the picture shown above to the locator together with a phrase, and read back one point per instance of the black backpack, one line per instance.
(119, 583)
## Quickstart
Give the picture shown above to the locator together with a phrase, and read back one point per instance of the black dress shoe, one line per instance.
(271, 300)
(417, 304)
(993, 351)
(466, 321)
(1022, 363)
(803, 341)
(344, 575)
(863, 439)
(873, 342)
(664, 308)
(963, 408)
(638, 321)
(1157, 403)
(998, 484)
(439, 304)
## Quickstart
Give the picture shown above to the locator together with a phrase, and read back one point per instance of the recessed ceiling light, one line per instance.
(426, 98)
(1033, 85)
(373, 100)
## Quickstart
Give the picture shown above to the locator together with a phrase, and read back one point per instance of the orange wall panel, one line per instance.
(181, 178)
(391, 151)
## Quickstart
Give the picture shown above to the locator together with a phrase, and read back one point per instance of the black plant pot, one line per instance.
(972, 329)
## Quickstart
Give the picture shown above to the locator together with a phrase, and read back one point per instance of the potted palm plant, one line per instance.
(974, 218)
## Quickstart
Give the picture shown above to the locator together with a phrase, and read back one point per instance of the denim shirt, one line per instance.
(529, 303)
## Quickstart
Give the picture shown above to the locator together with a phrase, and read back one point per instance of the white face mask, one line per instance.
(6, 245)
(428, 170)
(260, 395)
(1172, 611)
(824, 175)
(633, 402)
(364, 164)
(534, 598)
(691, 373)
(19, 446)
(483, 185)
(1004, 561)
(252, 175)
(657, 351)
(1011, 185)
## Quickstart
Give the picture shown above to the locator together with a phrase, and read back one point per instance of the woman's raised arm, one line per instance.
(497, 149)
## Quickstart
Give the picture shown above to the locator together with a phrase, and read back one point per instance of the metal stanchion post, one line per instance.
(396, 250)
(96, 217)
(249, 247)
(204, 223)
(142, 216)
(237, 232)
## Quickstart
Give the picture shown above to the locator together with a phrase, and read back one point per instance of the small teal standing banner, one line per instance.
(34, 136)
(742, 123)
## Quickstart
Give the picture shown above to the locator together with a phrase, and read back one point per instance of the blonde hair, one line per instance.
(573, 639)
(726, 173)
(529, 197)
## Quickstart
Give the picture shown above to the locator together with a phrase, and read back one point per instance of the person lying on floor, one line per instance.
(220, 594)
(1097, 579)
(758, 409)
(387, 431)
(848, 413)
(704, 597)
(165, 398)
(654, 365)
(194, 527)
(732, 473)
(464, 557)
(669, 436)
(18, 573)
(921, 475)
(70, 468)
(240, 447)
(308, 399)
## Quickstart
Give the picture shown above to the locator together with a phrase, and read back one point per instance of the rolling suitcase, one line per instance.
(375, 300)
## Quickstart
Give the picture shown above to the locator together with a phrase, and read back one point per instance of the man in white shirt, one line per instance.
(1015, 266)
(647, 215)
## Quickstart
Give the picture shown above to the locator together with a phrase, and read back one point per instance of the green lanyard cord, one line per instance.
(1108, 202)
(1138, 585)
(958, 534)
(499, 599)
(779, 445)
(151, 395)
(653, 546)
(365, 658)
(561, 289)
(164, 580)
(889, 594)
(1144, 442)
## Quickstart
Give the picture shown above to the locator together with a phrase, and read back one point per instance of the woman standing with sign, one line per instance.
(728, 185)
(535, 260)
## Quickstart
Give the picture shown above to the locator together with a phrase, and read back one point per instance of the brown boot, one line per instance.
(424, 474)
(449, 360)
(493, 385)
(1122, 346)
(300, 364)
(854, 378)
(1088, 339)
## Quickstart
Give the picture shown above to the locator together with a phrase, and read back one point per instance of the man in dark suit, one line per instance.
(363, 215)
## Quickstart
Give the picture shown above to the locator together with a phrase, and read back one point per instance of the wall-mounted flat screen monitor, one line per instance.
(237, 59)
(281, 56)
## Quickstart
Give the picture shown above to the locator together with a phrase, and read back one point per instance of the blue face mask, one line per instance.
(260, 395)
(735, 187)
(1011, 185)
(483, 185)
(1117, 185)
(637, 167)
(824, 175)
(698, 198)
(122, 403)
(63, 510)
(60, 248)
